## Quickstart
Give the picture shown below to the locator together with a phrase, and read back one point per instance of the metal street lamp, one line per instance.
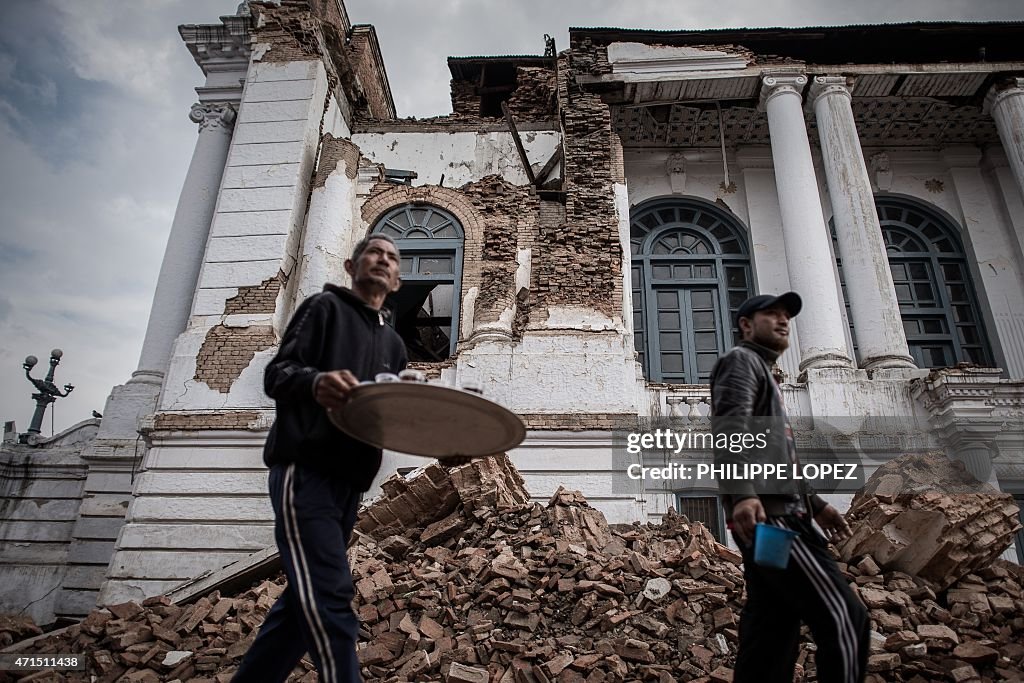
(47, 393)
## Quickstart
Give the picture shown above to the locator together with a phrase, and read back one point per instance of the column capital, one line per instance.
(823, 86)
(775, 83)
(1002, 90)
(213, 115)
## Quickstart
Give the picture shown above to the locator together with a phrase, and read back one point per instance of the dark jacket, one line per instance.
(333, 330)
(745, 399)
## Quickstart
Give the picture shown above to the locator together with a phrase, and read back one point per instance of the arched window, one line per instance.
(426, 308)
(690, 273)
(933, 286)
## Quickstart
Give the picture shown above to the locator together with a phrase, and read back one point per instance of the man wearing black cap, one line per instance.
(745, 399)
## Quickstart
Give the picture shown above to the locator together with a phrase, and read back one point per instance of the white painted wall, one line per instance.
(460, 157)
(200, 504)
(40, 506)
(258, 221)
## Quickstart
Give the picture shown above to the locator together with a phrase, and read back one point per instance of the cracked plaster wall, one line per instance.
(458, 157)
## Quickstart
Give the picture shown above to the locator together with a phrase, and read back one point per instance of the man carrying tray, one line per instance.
(745, 400)
(335, 340)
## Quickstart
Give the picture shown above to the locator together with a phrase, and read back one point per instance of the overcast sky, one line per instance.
(95, 141)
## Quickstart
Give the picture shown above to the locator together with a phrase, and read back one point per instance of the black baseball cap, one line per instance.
(790, 301)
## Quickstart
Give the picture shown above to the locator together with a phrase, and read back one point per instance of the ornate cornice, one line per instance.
(224, 47)
(213, 115)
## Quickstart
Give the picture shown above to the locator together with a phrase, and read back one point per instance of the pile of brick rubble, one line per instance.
(460, 578)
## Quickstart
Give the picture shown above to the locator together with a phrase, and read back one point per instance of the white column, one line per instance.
(1006, 103)
(811, 268)
(873, 305)
(179, 272)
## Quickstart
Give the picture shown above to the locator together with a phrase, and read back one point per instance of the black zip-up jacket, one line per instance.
(333, 330)
(746, 400)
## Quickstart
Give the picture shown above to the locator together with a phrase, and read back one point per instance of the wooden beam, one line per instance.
(519, 143)
(555, 159)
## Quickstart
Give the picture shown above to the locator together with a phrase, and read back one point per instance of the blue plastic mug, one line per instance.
(772, 545)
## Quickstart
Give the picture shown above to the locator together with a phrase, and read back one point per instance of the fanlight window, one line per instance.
(426, 308)
(690, 273)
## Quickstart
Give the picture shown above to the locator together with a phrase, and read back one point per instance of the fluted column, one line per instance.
(1006, 104)
(873, 305)
(179, 272)
(822, 339)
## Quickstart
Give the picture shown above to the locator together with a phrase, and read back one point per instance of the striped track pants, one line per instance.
(810, 590)
(314, 516)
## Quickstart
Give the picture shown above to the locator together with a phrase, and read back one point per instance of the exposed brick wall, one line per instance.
(290, 30)
(535, 96)
(505, 208)
(333, 150)
(261, 298)
(227, 351)
(432, 370)
(465, 101)
(579, 262)
(299, 30)
(587, 56)
(371, 80)
(511, 215)
(206, 420)
(497, 291)
(618, 160)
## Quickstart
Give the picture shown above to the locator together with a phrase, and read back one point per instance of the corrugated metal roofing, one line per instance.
(767, 29)
(492, 58)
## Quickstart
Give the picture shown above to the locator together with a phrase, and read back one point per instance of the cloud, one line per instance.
(88, 188)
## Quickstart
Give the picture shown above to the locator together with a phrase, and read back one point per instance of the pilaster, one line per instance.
(987, 241)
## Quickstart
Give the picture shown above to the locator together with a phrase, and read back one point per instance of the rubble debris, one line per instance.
(925, 515)
(15, 628)
(534, 592)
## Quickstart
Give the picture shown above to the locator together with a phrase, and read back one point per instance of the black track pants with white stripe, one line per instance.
(810, 590)
(314, 516)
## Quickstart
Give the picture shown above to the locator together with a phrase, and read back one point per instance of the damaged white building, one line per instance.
(576, 237)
